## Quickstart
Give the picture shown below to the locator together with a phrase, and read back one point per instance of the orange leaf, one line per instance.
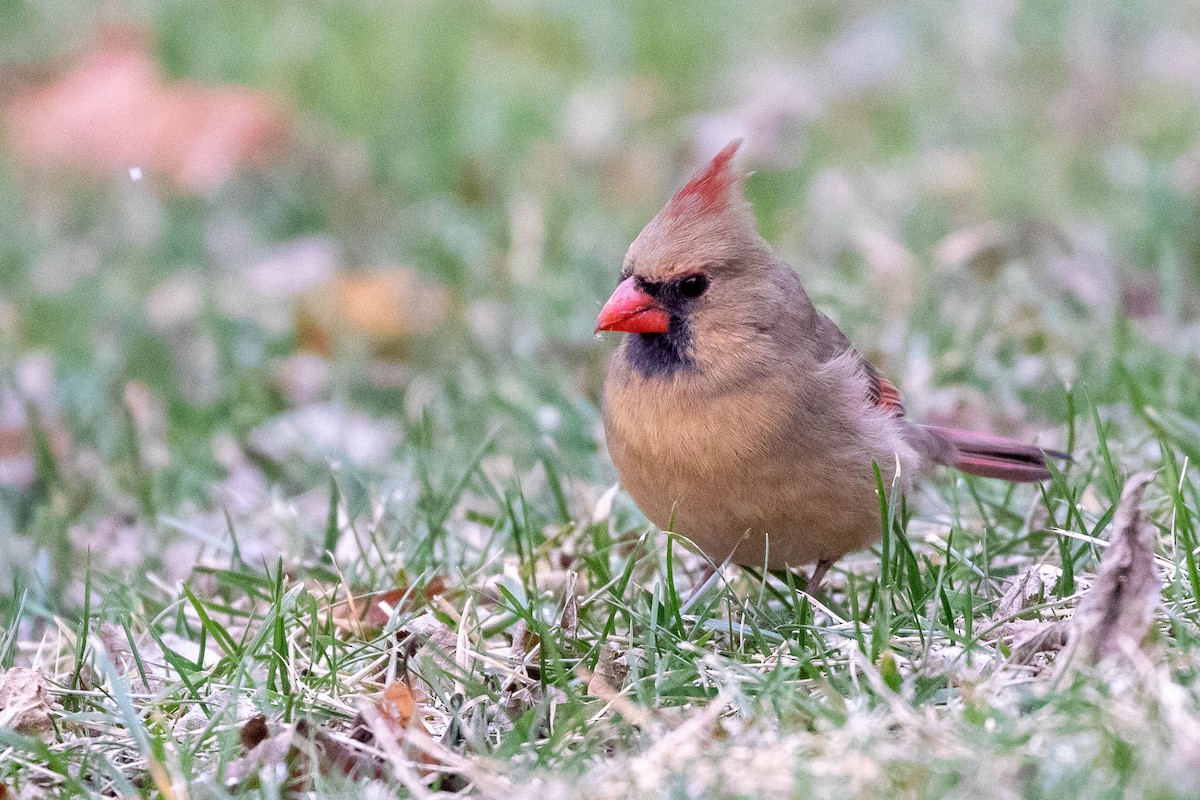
(383, 307)
(378, 611)
(398, 709)
(114, 110)
(397, 706)
(373, 610)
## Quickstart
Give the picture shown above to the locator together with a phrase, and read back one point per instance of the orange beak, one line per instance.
(631, 310)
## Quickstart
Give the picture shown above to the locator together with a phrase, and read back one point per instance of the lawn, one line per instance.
(303, 488)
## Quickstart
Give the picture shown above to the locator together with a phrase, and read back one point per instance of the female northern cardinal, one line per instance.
(740, 416)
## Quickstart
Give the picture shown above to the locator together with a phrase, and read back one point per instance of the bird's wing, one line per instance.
(974, 453)
(882, 392)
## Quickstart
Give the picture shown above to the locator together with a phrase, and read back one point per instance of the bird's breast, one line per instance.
(762, 460)
(689, 460)
(683, 432)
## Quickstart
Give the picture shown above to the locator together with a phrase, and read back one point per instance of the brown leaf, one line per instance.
(304, 752)
(113, 111)
(523, 641)
(254, 732)
(335, 756)
(610, 674)
(432, 644)
(24, 701)
(397, 707)
(147, 672)
(18, 462)
(398, 711)
(380, 605)
(383, 307)
(1115, 615)
(1028, 638)
(1027, 588)
(14, 441)
(375, 609)
(522, 690)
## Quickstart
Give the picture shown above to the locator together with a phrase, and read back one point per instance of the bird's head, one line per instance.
(694, 272)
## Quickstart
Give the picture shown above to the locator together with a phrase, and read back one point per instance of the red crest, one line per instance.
(708, 191)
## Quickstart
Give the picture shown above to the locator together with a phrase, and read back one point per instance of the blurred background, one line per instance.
(245, 245)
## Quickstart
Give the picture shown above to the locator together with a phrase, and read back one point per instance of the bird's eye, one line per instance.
(693, 286)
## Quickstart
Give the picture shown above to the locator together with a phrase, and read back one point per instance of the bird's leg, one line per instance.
(818, 574)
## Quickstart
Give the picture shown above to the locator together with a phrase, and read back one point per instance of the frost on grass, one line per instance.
(552, 660)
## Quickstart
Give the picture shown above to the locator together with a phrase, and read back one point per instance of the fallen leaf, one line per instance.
(17, 464)
(302, 752)
(610, 673)
(254, 732)
(1115, 615)
(334, 755)
(524, 643)
(24, 701)
(113, 111)
(1027, 588)
(147, 671)
(1028, 638)
(604, 505)
(395, 719)
(432, 643)
(522, 689)
(397, 707)
(383, 307)
(398, 730)
(612, 668)
(18, 451)
(381, 606)
(374, 609)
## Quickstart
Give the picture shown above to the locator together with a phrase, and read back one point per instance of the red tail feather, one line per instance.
(991, 456)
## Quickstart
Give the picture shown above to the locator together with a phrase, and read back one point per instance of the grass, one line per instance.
(181, 558)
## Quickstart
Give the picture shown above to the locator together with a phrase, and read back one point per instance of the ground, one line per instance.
(302, 479)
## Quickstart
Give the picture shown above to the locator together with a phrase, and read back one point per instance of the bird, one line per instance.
(739, 416)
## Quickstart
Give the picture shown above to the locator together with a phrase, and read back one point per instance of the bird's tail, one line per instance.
(992, 456)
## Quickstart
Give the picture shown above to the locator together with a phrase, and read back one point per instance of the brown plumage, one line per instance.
(740, 416)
